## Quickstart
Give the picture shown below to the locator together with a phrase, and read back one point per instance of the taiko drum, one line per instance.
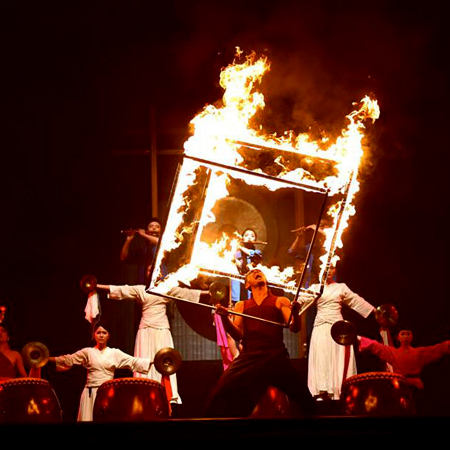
(130, 400)
(377, 394)
(272, 404)
(28, 400)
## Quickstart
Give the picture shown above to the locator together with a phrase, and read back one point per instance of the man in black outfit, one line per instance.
(264, 360)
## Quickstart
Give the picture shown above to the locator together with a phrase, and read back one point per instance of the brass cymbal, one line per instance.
(343, 332)
(167, 361)
(386, 316)
(218, 291)
(35, 354)
(88, 283)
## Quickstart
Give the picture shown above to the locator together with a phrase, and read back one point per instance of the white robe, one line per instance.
(101, 366)
(326, 359)
(154, 329)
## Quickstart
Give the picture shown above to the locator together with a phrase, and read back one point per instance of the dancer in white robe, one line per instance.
(101, 363)
(154, 331)
(327, 360)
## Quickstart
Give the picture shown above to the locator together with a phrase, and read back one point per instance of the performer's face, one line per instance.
(331, 273)
(154, 229)
(249, 236)
(101, 335)
(255, 278)
(405, 336)
(3, 335)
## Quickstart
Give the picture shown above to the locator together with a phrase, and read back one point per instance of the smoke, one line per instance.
(324, 57)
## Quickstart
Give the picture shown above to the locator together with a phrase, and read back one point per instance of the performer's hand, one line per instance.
(221, 310)
(299, 231)
(129, 234)
(295, 307)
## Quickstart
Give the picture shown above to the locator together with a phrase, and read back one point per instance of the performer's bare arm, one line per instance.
(153, 239)
(103, 287)
(126, 246)
(18, 364)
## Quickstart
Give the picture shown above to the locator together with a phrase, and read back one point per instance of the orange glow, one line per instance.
(111, 392)
(33, 408)
(371, 402)
(137, 406)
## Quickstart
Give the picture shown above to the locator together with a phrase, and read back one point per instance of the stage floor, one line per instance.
(354, 431)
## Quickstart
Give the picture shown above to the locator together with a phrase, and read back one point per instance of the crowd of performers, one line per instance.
(259, 360)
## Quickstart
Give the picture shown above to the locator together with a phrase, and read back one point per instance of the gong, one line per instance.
(232, 215)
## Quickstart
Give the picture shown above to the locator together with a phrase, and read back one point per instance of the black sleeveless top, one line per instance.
(259, 335)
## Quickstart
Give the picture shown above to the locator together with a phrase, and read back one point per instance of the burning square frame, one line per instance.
(196, 248)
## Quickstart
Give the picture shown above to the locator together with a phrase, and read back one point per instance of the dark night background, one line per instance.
(79, 82)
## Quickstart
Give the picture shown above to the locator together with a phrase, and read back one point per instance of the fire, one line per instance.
(214, 126)
(215, 154)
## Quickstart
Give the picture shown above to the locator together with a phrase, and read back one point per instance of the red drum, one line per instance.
(130, 400)
(377, 394)
(28, 400)
(272, 403)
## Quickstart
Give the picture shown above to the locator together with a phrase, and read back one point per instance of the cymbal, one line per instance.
(218, 291)
(88, 283)
(386, 316)
(35, 354)
(343, 332)
(167, 361)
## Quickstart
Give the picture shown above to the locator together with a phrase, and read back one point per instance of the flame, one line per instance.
(217, 132)
(214, 126)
